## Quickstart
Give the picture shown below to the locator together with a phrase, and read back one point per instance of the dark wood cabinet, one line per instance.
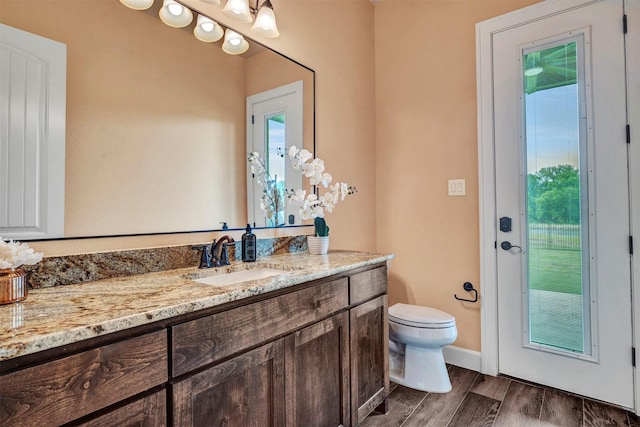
(66, 389)
(212, 338)
(335, 359)
(247, 390)
(311, 355)
(317, 374)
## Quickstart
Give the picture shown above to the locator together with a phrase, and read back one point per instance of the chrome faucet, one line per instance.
(219, 253)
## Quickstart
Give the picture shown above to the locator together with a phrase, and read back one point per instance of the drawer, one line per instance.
(60, 391)
(366, 285)
(149, 411)
(209, 339)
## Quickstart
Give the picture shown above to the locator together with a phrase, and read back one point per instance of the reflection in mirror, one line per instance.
(274, 124)
(156, 119)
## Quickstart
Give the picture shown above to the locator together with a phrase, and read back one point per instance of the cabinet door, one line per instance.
(369, 358)
(247, 390)
(317, 374)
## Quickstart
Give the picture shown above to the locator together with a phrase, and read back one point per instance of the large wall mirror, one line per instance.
(156, 133)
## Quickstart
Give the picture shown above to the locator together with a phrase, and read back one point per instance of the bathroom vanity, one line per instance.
(308, 347)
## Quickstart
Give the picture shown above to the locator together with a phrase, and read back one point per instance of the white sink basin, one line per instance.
(225, 279)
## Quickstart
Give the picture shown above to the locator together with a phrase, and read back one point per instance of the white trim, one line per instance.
(486, 166)
(632, 9)
(462, 357)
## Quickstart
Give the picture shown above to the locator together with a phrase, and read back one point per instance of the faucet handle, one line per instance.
(224, 256)
(205, 255)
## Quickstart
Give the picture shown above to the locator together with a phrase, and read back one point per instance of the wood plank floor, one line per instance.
(478, 400)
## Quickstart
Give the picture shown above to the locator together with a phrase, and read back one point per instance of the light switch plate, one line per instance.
(457, 187)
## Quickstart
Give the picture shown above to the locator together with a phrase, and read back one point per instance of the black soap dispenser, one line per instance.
(248, 246)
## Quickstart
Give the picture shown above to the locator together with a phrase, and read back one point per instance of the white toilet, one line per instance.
(416, 337)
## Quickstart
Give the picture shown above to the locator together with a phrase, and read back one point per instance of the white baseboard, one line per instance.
(468, 359)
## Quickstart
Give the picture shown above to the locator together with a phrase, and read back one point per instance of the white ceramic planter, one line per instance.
(318, 245)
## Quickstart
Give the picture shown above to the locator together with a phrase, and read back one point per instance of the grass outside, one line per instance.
(555, 270)
(555, 302)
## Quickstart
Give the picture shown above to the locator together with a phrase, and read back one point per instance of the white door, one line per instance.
(274, 124)
(562, 203)
(32, 134)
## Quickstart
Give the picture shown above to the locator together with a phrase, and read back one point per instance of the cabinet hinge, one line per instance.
(628, 134)
(631, 245)
(625, 28)
(495, 244)
(253, 119)
(633, 356)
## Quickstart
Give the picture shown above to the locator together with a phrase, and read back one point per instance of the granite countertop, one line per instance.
(61, 315)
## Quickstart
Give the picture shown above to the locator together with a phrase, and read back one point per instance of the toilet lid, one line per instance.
(424, 317)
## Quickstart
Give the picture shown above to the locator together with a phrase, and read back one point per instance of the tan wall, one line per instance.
(425, 135)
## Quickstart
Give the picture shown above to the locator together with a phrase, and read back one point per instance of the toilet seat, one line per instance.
(420, 317)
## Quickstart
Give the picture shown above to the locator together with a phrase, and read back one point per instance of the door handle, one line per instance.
(506, 245)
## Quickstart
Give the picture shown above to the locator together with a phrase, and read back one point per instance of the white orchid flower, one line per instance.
(328, 201)
(293, 150)
(304, 155)
(344, 190)
(311, 170)
(309, 206)
(321, 178)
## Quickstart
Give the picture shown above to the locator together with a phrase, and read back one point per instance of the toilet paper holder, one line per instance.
(468, 286)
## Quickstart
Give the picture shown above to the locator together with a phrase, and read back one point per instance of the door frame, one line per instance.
(486, 162)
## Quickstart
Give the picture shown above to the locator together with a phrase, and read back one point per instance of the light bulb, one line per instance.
(207, 30)
(174, 14)
(265, 24)
(238, 10)
(207, 26)
(175, 9)
(533, 71)
(234, 43)
(137, 4)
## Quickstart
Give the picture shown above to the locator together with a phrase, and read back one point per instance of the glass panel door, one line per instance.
(276, 151)
(556, 199)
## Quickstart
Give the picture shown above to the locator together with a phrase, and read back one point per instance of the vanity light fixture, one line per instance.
(234, 43)
(265, 24)
(174, 14)
(238, 10)
(207, 30)
(137, 4)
